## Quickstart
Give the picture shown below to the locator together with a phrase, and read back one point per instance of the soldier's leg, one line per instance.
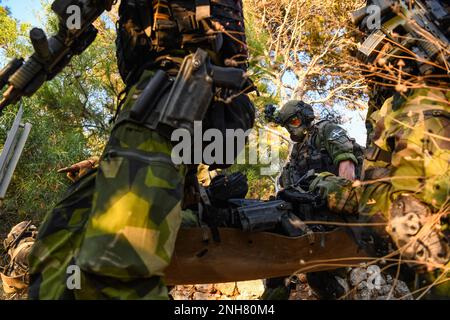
(276, 289)
(58, 240)
(326, 285)
(135, 218)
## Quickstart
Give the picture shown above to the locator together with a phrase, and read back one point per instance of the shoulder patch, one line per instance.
(336, 134)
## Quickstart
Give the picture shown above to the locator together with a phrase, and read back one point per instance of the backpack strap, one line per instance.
(319, 129)
(202, 9)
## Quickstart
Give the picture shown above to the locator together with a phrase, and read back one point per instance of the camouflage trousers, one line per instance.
(117, 225)
(415, 131)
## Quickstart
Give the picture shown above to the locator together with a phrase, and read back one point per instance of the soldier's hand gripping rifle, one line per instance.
(51, 55)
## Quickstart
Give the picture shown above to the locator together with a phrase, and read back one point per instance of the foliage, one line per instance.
(305, 49)
(70, 116)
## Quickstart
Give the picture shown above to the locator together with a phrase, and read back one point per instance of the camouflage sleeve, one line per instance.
(337, 143)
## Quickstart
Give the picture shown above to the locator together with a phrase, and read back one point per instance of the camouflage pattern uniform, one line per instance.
(406, 172)
(415, 134)
(325, 146)
(119, 223)
(113, 224)
(415, 131)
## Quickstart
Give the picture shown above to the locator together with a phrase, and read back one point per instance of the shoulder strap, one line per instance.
(319, 129)
(296, 150)
(202, 9)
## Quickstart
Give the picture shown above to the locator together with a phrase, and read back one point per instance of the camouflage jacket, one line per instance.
(411, 145)
(325, 146)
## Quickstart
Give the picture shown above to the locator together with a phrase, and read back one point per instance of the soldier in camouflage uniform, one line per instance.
(321, 146)
(406, 183)
(119, 223)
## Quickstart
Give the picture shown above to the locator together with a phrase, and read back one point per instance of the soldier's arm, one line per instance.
(340, 148)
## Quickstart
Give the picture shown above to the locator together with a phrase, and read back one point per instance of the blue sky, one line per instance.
(25, 10)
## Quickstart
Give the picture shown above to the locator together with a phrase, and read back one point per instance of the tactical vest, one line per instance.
(311, 154)
(161, 33)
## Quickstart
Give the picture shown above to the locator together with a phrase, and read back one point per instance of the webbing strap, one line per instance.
(202, 9)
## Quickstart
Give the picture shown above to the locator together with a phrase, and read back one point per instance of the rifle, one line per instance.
(271, 114)
(285, 214)
(51, 55)
(415, 19)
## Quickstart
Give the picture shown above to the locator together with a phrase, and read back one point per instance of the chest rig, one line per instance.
(311, 154)
(160, 33)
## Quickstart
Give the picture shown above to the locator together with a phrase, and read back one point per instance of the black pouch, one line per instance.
(224, 188)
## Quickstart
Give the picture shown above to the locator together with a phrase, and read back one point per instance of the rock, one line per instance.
(302, 292)
(203, 296)
(344, 284)
(253, 288)
(226, 288)
(301, 277)
(384, 298)
(180, 295)
(363, 295)
(187, 288)
(375, 277)
(384, 291)
(362, 286)
(245, 297)
(204, 287)
(357, 275)
(402, 291)
(389, 279)
(373, 269)
(182, 292)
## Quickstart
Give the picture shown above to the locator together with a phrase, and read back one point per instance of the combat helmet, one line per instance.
(406, 40)
(297, 117)
(297, 108)
(15, 276)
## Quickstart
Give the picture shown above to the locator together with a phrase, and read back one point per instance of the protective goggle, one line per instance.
(294, 122)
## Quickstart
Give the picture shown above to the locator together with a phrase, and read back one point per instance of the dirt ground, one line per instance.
(244, 290)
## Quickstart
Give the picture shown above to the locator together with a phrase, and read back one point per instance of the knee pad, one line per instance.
(416, 231)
